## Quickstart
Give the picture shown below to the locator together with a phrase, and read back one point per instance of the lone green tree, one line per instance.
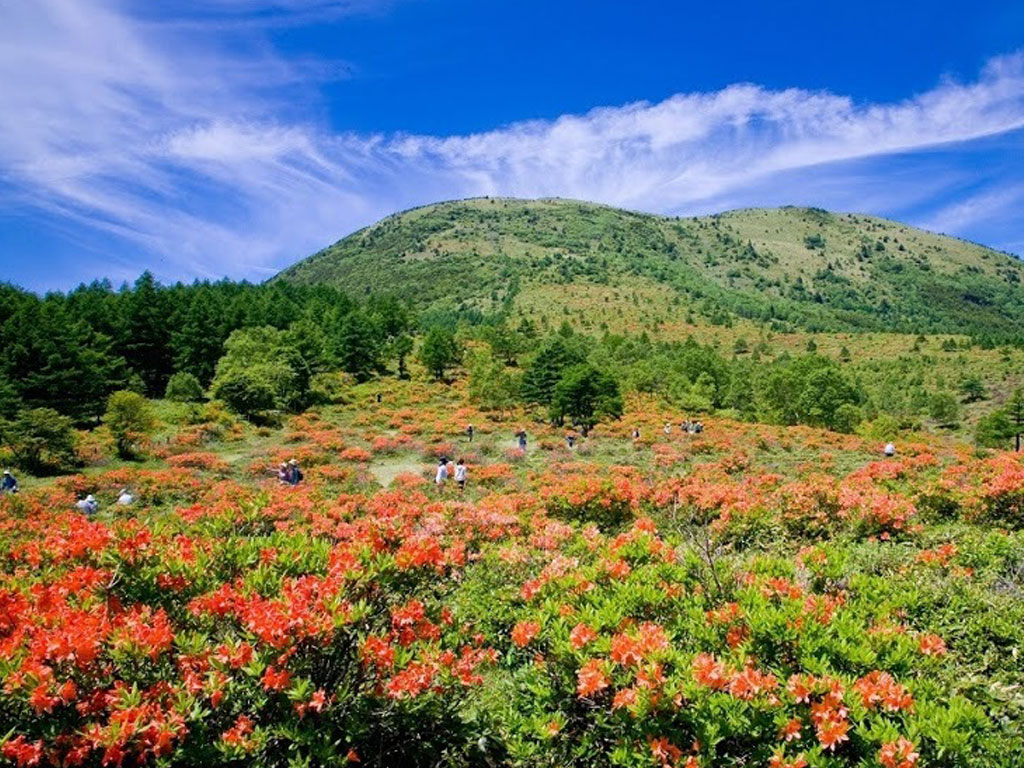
(260, 372)
(944, 409)
(1004, 425)
(130, 419)
(401, 348)
(1015, 412)
(183, 387)
(586, 396)
(972, 389)
(440, 352)
(357, 346)
(545, 371)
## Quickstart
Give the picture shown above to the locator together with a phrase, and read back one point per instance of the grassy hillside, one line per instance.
(797, 268)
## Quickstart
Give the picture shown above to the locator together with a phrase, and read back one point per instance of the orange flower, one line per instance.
(591, 678)
(580, 635)
(879, 688)
(898, 754)
(523, 632)
(708, 672)
(664, 751)
(832, 732)
(791, 730)
(624, 698)
(238, 734)
(932, 645)
(276, 680)
(626, 650)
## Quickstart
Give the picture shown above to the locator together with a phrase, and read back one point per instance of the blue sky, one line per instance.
(204, 138)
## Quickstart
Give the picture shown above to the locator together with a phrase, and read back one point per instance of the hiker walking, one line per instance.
(469, 432)
(460, 474)
(521, 435)
(442, 473)
(9, 484)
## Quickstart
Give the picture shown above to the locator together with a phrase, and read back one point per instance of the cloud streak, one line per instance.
(191, 149)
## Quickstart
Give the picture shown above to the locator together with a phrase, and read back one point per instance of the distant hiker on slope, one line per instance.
(521, 435)
(889, 450)
(469, 432)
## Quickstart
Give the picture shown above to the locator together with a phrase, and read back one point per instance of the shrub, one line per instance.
(130, 419)
(41, 440)
(260, 372)
(847, 417)
(944, 409)
(183, 387)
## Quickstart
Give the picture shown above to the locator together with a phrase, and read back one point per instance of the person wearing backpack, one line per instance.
(295, 474)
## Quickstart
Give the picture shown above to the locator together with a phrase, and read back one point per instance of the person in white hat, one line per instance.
(88, 505)
(9, 484)
(295, 475)
(125, 498)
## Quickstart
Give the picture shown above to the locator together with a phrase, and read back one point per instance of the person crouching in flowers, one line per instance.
(9, 484)
(89, 506)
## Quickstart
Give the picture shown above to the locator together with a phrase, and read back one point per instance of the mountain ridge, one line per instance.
(794, 266)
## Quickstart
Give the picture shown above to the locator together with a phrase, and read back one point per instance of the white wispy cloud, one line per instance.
(189, 147)
(974, 209)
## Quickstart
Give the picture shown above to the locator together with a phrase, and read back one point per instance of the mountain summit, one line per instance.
(801, 267)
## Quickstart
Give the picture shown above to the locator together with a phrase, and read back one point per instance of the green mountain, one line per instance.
(799, 267)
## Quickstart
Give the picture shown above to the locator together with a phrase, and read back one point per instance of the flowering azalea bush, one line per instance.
(673, 602)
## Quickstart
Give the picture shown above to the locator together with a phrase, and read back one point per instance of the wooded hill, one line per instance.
(798, 268)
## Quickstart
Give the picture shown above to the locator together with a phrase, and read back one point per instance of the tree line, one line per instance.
(95, 354)
(70, 351)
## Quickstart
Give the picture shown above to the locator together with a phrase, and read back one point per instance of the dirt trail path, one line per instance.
(386, 471)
